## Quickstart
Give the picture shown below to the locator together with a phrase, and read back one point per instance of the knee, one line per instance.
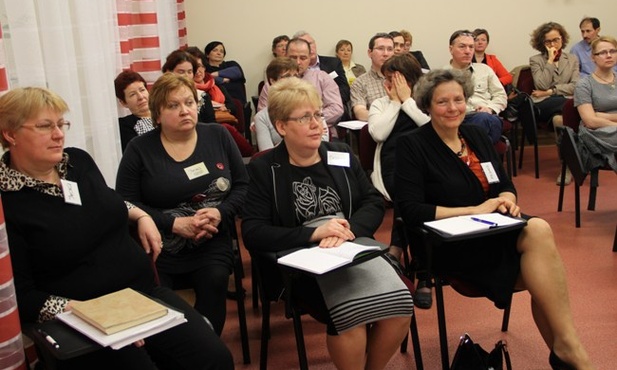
(536, 234)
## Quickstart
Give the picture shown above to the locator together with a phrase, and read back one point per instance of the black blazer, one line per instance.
(330, 64)
(420, 57)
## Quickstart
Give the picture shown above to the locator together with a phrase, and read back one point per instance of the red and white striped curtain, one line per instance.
(182, 35)
(4, 80)
(11, 344)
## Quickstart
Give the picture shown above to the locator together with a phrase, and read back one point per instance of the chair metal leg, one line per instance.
(299, 340)
(246, 353)
(536, 159)
(265, 334)
(506, 318)
(577, 204)
(593, 189)
(441, 320)
(415, 340)
(615, 241)
(561, 186)
(254, 288)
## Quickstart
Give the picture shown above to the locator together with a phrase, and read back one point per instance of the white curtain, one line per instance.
(72, 47)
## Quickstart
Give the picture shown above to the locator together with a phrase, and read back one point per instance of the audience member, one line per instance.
(399, 42)
(299, 50)
(370, 86)
(300, 198)
(279, 46)
(595, 98)
(390, 117)
(489, 97)
(480, 56)
(190, 178)
(222, 101)
(265, 132)
(416, 53)
(344, 50)
(225, 73)
(555, 73)
(69, 246)
(182, 63)
(330, 65)
(132, 93)
(442, 170)
(590, 31)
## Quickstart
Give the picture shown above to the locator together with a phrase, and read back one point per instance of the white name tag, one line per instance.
(333, 74)
(489, 172)
(196, 170)
(71, 192)
(338, 159)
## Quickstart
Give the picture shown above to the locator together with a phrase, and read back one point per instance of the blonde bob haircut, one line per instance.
(596, 42)
(24, 103)
(165, 85)
(288, 94)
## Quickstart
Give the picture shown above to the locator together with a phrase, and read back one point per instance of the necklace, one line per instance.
(460, 152)
(611, 82)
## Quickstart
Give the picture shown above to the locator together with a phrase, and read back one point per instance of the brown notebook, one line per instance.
(118, 311)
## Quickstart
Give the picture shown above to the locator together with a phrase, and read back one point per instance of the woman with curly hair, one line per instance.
(555, 73)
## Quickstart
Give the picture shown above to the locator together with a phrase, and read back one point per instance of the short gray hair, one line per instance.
(425, 88)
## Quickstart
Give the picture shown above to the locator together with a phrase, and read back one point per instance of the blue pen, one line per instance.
(490, 223)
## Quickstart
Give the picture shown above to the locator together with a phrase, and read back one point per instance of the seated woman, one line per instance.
(300, 195)
(480, 56)
(132, 93)
(443, 170)
(190, 178)
(184, 64)
(595, 98)
(74, 246)
(226, 73)
(344, 51)
(390, 117)
(279, 46)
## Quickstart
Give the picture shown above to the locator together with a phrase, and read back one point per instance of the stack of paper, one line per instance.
(121, 318)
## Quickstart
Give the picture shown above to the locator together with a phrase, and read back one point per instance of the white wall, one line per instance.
(247, 27)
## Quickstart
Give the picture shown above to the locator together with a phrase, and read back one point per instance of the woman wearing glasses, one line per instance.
(555, 73)
(305, 191)
(595, 97)
(190, 178)
(70, 241)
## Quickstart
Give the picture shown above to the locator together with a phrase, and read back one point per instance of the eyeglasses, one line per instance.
(605, 53)
(552, 41)
(305, 120)
(383, 49)
(48, 127)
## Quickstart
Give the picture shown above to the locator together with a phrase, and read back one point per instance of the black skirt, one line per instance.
(489, 265)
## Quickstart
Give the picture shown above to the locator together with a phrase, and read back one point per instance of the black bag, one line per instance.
(470, 356)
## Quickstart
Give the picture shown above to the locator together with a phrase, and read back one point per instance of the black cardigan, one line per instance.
(268, 220)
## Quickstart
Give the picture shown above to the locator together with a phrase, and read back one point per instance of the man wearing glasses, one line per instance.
(489, 96)
(369, 86)
(299, 51)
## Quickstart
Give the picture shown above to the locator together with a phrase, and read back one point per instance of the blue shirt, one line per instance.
(582, 50)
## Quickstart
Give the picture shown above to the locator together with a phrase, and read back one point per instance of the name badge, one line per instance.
(71, 192)
(196, 170)
(333, 74)
(340, 159)
(489, 172)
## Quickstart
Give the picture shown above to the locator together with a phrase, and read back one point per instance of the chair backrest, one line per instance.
(366, 149)
(524, 79)
(571, 118)
(239, 115)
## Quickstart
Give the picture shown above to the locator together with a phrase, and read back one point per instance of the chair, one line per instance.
(266, 272)
(527, 118)
(571, 158)
(366, 150)
(421, 235)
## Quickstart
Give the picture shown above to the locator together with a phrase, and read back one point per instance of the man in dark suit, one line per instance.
(330, 65)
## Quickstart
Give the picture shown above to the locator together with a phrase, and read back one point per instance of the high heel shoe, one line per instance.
(558, 364)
